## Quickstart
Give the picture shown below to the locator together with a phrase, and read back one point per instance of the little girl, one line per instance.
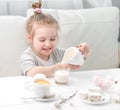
(42, 56)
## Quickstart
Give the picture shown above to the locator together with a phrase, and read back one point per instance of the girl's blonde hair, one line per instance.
(39, 18)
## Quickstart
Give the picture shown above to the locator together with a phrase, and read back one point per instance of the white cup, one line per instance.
(62, 75)
(40, 86)
(73, 56)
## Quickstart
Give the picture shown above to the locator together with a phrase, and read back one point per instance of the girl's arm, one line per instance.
(49, 70)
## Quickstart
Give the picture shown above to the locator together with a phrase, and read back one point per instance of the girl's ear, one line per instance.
(29, 38)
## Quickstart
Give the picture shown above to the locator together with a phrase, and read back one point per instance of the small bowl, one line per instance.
(73, 56)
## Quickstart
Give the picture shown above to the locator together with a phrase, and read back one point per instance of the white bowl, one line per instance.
(73, 56)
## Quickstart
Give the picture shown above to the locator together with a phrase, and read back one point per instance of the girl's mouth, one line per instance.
(47, 49)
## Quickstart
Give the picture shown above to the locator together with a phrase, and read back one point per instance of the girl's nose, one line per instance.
(47, 43)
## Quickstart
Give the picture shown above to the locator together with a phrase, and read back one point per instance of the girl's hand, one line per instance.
(73, 67)
(83, 47)
(70, 66)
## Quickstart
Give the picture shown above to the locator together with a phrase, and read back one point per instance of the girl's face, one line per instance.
(44, 40)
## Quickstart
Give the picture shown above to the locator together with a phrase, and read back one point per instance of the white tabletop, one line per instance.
(12, 91)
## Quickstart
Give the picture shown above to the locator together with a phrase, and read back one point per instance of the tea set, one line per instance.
(41, 86)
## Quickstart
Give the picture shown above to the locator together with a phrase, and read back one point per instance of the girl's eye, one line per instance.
(53, 39)
(42, 40)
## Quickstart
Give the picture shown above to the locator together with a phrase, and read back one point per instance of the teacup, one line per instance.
(62, 75)
(40, 86)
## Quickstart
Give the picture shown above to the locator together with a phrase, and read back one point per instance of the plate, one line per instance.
(105, 99)
(51, 97)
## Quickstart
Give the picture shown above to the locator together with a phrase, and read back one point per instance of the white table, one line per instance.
(12, 90)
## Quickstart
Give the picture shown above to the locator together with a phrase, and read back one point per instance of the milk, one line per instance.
(62, 75)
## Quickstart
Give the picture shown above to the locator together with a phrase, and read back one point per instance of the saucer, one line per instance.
(51, 97)
(105, 99)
